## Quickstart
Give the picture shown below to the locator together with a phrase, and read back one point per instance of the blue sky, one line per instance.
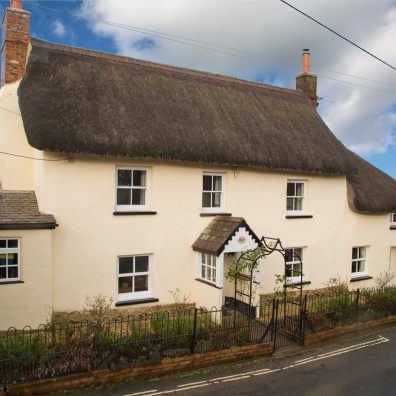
(361, 110)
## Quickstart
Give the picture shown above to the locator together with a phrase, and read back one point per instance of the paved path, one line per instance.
(364, 367)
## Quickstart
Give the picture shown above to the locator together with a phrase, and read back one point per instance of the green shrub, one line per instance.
(381, 301)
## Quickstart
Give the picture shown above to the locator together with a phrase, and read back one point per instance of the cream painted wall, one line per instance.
(15, 173)
(28, 303)
(82, 196)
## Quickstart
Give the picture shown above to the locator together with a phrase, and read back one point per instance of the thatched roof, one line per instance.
(85, 102)
(19, 210)
(369, 189)
(218, 233)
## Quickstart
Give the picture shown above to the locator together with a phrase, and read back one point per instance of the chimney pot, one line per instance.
(306, 59)
(16, 4)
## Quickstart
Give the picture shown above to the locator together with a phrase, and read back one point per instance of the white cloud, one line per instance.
(362, 118)
(58, 28)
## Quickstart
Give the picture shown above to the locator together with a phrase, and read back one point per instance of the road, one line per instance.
(364, 367)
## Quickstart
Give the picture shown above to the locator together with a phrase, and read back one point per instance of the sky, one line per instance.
(257, 40)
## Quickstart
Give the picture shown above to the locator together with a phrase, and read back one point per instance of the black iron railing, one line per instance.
(57, 349)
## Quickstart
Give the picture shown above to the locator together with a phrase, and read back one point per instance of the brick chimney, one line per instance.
(15, 43)
(306, 81)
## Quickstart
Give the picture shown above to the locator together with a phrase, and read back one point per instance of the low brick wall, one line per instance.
(328, 334)
(167, 365)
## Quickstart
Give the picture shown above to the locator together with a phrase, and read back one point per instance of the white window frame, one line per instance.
(211, 209)
(293, 262)
(131, 207)
(360, 258)
(135, 295)
(208, 263)
(7, 251)
(296, 212)
(393, 219)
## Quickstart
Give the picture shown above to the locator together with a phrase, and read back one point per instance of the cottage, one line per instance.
(131, 179)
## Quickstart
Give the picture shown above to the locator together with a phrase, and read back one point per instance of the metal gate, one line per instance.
(289, 322)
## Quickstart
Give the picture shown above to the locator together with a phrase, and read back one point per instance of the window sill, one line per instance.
(392, 227)
(208, 214)
(361, 278)
(290, 216)
(135, 302)
(134, 213)
(303, 283)
(207, 283)
(11, 282)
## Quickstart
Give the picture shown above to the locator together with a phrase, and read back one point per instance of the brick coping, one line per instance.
(338, 331)
(164, 366)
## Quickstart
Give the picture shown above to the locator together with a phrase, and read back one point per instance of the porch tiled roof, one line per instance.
(218, 232)
(19, 210)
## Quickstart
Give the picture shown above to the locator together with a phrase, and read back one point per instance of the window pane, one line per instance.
(213, 261)
(13, 243)
(298, 203)
(354, 253)
(216, 200)
(299, 189)
(206, 200)
(362, 252)
(138, 197)
(3, 243)
(289, 272)
(203, 271)
(207, 183)
(141, 263)
(203, 258)
(3, 260)
(12, 258)
(353, 266)
(124, 177)
(141, 283)
(139, 178)
(125, 265)
(123, 196)
(2, 273)
(290, 189)
(297, 269)
(360, 266)
(13, 272)
(214, 275)
(298, 254)
(289, 204)
(209, 273)
(288, 255)
(125, 284)
(217, 183)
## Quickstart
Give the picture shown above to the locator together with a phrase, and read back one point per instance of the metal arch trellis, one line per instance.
(249, 261)
(294, 315)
